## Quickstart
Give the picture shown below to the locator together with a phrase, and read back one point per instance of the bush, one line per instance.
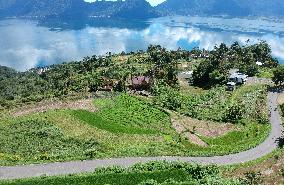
(253, 178)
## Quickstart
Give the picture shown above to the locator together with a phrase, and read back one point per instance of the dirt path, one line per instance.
(74, 167)
(48, 105)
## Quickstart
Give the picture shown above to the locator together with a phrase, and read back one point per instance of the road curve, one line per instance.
(74, 167)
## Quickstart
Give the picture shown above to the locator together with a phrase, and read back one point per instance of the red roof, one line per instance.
(139, 80)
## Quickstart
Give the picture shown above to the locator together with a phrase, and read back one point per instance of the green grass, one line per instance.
(154, 173)
(115, 127)
(126, 114)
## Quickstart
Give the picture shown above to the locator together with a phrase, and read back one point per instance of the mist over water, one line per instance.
(25, 44)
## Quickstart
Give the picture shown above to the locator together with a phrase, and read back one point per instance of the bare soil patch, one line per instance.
(44, 106)
(193, 128)
(280, 99)
(204, 128)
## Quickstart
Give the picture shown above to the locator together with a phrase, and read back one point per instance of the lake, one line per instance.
(25, 44)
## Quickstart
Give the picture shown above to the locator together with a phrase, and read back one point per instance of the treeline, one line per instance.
(87, 76)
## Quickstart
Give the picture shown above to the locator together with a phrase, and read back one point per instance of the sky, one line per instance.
(152, 2)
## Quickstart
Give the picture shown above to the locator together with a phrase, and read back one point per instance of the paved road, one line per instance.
(65, 168)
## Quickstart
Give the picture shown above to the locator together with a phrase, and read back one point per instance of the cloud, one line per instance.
(152, 2)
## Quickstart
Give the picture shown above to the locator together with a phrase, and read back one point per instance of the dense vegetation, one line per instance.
(246, 103)
(89, 75)
(154, 173)
(278, 76)
(223, 58)
(282, 108)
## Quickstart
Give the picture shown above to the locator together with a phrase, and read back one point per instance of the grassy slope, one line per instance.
(69, 135)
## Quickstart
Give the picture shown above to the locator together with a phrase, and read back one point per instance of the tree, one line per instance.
(164, 67)
(278, 75)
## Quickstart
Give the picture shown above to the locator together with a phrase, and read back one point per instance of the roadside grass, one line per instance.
(248, 137)
(280, 101)
(153, 173)
(269, 166)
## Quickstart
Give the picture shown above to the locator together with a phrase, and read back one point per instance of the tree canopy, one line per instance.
(215, 69)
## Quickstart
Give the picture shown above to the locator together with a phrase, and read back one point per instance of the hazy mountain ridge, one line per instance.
(76, 8)
(222, 7)
(139, 9)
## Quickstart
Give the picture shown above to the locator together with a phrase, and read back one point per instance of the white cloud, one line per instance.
(152, 2)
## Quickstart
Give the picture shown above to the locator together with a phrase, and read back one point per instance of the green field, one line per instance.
(154, 173)
(126, 114)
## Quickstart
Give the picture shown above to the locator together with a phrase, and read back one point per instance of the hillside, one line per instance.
(76, 8)
(139, 9)
(222, 7)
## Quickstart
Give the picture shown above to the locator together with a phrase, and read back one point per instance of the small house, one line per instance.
(141, 82)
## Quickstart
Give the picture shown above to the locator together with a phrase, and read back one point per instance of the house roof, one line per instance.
(138, 80)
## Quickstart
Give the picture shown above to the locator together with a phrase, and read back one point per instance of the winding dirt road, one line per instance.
(73, 167)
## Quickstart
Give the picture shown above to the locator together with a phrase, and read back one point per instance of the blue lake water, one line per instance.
(29, 43)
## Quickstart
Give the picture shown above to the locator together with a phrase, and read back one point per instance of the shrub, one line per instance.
(282, 108)
(167, 97)
(253, 178)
